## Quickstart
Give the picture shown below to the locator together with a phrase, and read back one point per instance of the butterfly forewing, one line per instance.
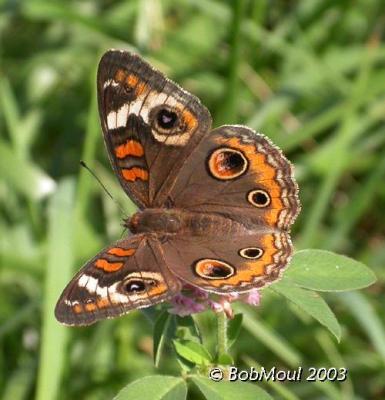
(150, 124)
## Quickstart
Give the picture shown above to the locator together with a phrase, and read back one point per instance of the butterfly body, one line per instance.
(181, 222)
(215, 206)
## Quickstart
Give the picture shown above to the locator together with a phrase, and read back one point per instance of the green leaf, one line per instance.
(187, 328)
(60, 258)
(24, 176)
(21, 129)
(225, 390)
(326, 271)
(234, 328)
(19, 384)
(271, 339)
(310, 302)
(162, 331)
(370, 321)
(225, 359)
(156, 387)
(192, 351)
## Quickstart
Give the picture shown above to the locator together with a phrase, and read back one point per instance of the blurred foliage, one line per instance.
(308, 74)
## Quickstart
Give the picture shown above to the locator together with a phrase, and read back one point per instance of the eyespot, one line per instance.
(213, 269)
(128, 90)
(258, 198)
(134, 285)
(165, 120)
(227, 163)
(251, 253)
(127, 82)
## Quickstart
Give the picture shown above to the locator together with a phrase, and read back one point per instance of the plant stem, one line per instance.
(228, 112)
(222, 332)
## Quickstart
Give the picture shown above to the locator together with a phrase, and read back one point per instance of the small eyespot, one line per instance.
(258, 198)
(251, 253)
(134, 285)
(127, 89)
(227, 163)
(213, 269)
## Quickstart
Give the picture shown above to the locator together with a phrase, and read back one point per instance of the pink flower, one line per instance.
(183, 305)
(193, 300)
(253, 297)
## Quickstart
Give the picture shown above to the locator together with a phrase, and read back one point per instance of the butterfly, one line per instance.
(215, 206)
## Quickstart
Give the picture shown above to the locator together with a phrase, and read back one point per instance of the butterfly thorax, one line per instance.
(178, 221)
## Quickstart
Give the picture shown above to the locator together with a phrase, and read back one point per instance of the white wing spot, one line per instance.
(111, 120)
(122, 114)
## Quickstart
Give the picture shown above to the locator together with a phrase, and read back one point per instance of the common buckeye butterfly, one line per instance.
(216, 206)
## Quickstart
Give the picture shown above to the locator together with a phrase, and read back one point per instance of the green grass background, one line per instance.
(309, 74)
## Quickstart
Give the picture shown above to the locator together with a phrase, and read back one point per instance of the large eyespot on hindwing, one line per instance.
(227, 163)
(258, 198)
(209, 268)
(251, 253)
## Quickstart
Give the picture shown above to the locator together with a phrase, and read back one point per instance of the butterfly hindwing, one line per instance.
(244, 186)
(150, 124)
(125, 276)
(227, 265)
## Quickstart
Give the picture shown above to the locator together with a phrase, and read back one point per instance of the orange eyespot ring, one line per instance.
(252, 253)
(258, 198)
(213, 269)
(227, 163)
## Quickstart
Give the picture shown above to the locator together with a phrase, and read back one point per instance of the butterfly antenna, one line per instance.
(84, 165)
(124, 230)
